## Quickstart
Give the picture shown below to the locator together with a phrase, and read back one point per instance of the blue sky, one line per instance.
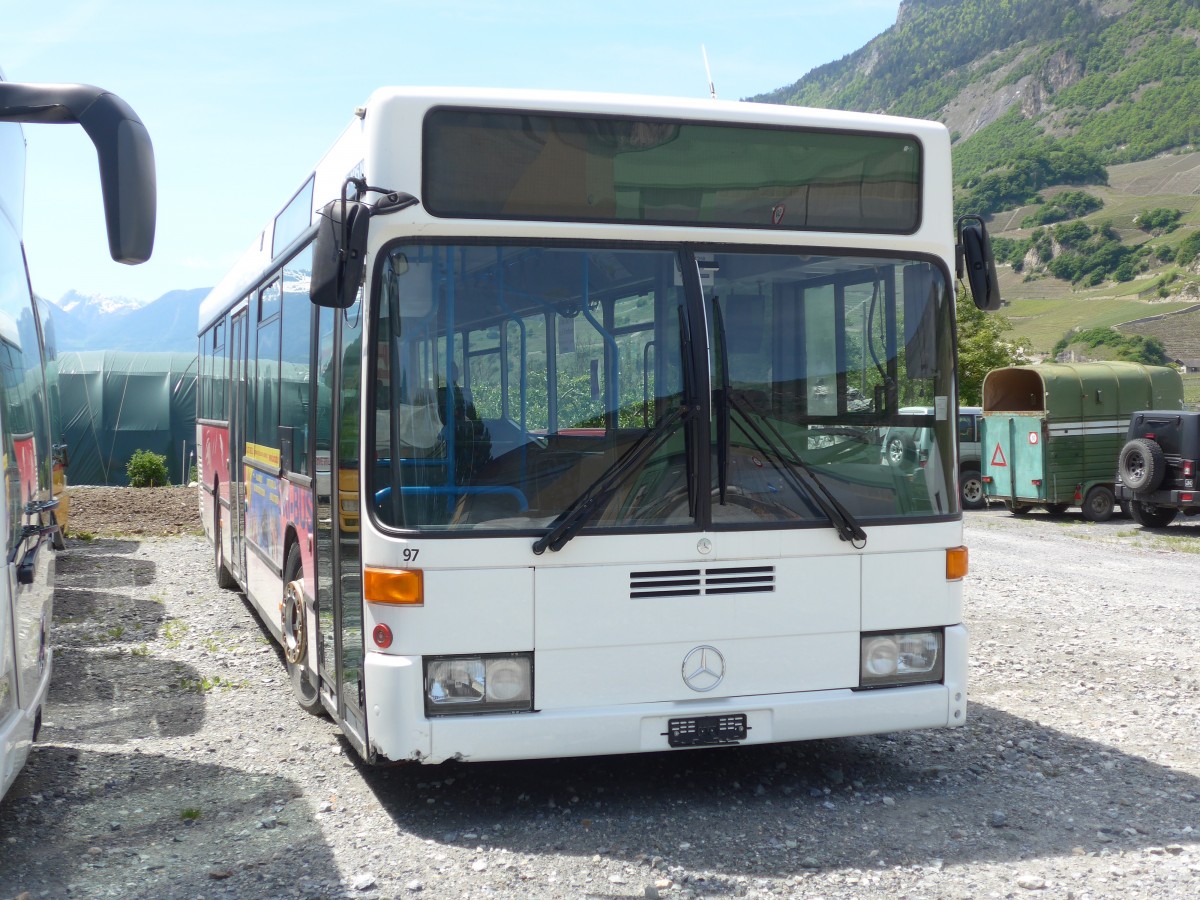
(242, 98)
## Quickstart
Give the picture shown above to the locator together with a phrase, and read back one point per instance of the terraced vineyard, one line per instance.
(1042, 308)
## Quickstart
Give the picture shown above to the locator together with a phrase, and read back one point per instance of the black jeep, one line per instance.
(1156, 472)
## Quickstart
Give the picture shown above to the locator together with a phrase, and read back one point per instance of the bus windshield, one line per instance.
(665, 387)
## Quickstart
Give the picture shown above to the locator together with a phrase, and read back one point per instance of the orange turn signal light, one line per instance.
(956, 563)
(397, 586)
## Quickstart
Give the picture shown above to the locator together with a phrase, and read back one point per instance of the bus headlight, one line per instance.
(901, 657)
(478, 684)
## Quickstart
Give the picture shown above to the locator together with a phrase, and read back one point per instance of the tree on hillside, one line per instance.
(1130, 347)
(981, 347)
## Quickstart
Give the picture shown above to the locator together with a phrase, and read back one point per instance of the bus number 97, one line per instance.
(410, 554)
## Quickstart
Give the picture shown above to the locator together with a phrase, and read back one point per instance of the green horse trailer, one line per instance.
(1052, 433)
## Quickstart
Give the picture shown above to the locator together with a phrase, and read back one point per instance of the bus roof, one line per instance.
(643, 104)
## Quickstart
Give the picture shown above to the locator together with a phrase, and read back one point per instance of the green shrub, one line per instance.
(147, 469)
(1067, 205)
(1158, 221)
(1131, 347)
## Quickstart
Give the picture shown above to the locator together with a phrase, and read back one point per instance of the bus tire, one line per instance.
(225, 579)
(295, 636)
(1098, 504)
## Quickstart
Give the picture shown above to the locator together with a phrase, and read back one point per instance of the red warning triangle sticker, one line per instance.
(998, 457)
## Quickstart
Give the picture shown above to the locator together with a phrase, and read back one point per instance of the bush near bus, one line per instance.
(147, 469)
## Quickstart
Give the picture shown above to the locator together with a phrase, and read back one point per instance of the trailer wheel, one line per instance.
(1149, 516)
(1098, 504)
(1017, 509)
(1142, 465)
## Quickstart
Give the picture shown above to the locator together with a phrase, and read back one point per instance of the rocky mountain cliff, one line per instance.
(1036, 93)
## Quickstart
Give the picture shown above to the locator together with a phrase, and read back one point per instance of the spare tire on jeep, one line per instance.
(1142, 465)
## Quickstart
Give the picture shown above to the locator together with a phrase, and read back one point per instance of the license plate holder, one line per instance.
(707, 731)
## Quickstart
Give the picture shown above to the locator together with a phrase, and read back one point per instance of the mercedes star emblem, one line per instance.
(703, 668)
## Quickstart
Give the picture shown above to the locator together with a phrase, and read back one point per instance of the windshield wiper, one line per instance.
(598, 493)
(811, 488)
(811, 485)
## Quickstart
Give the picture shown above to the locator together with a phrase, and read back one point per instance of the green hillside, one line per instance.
(1075, 126)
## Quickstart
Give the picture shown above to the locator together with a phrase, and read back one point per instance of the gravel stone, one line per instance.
(173, 762)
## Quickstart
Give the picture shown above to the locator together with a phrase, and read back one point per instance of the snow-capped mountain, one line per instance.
(84, 306)
(94, 322)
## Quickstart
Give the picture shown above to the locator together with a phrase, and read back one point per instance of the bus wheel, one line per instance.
(295, 635)
(1098, 504)
(225, 579)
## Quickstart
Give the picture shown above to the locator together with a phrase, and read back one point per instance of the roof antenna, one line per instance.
(712, 91)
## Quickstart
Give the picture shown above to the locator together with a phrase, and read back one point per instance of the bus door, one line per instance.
(237, 444)
(339, 567)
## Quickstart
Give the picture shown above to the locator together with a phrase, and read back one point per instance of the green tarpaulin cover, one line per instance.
(115, 402)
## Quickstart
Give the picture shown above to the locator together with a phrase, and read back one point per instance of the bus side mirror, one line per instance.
(339, 258)
(975, 256)
(123, 149)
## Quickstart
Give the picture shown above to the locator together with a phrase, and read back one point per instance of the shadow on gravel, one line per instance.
(101, 547)
(115, 571)
(105, 687)
(83, 616)
(946, 797)
(153, 826)
(110, 698)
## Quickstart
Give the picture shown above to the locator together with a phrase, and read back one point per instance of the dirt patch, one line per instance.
(124, 511)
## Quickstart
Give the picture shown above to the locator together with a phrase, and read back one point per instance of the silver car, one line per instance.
(904, 445)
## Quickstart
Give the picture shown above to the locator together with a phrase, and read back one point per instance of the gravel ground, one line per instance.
(173, 762)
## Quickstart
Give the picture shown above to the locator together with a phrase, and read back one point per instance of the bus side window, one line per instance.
(295, 346)
(265, 426)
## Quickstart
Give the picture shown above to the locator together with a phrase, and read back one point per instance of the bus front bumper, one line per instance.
(399, 730)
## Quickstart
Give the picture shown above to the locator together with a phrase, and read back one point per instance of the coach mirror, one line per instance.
(340, 254)
(123, 149)
(975, 255)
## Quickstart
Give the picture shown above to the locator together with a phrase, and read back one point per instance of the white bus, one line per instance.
(32, 465)
(576, 449)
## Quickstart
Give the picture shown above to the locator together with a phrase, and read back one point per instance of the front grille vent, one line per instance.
(671, 583)
(697, 582)
(740, 580)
